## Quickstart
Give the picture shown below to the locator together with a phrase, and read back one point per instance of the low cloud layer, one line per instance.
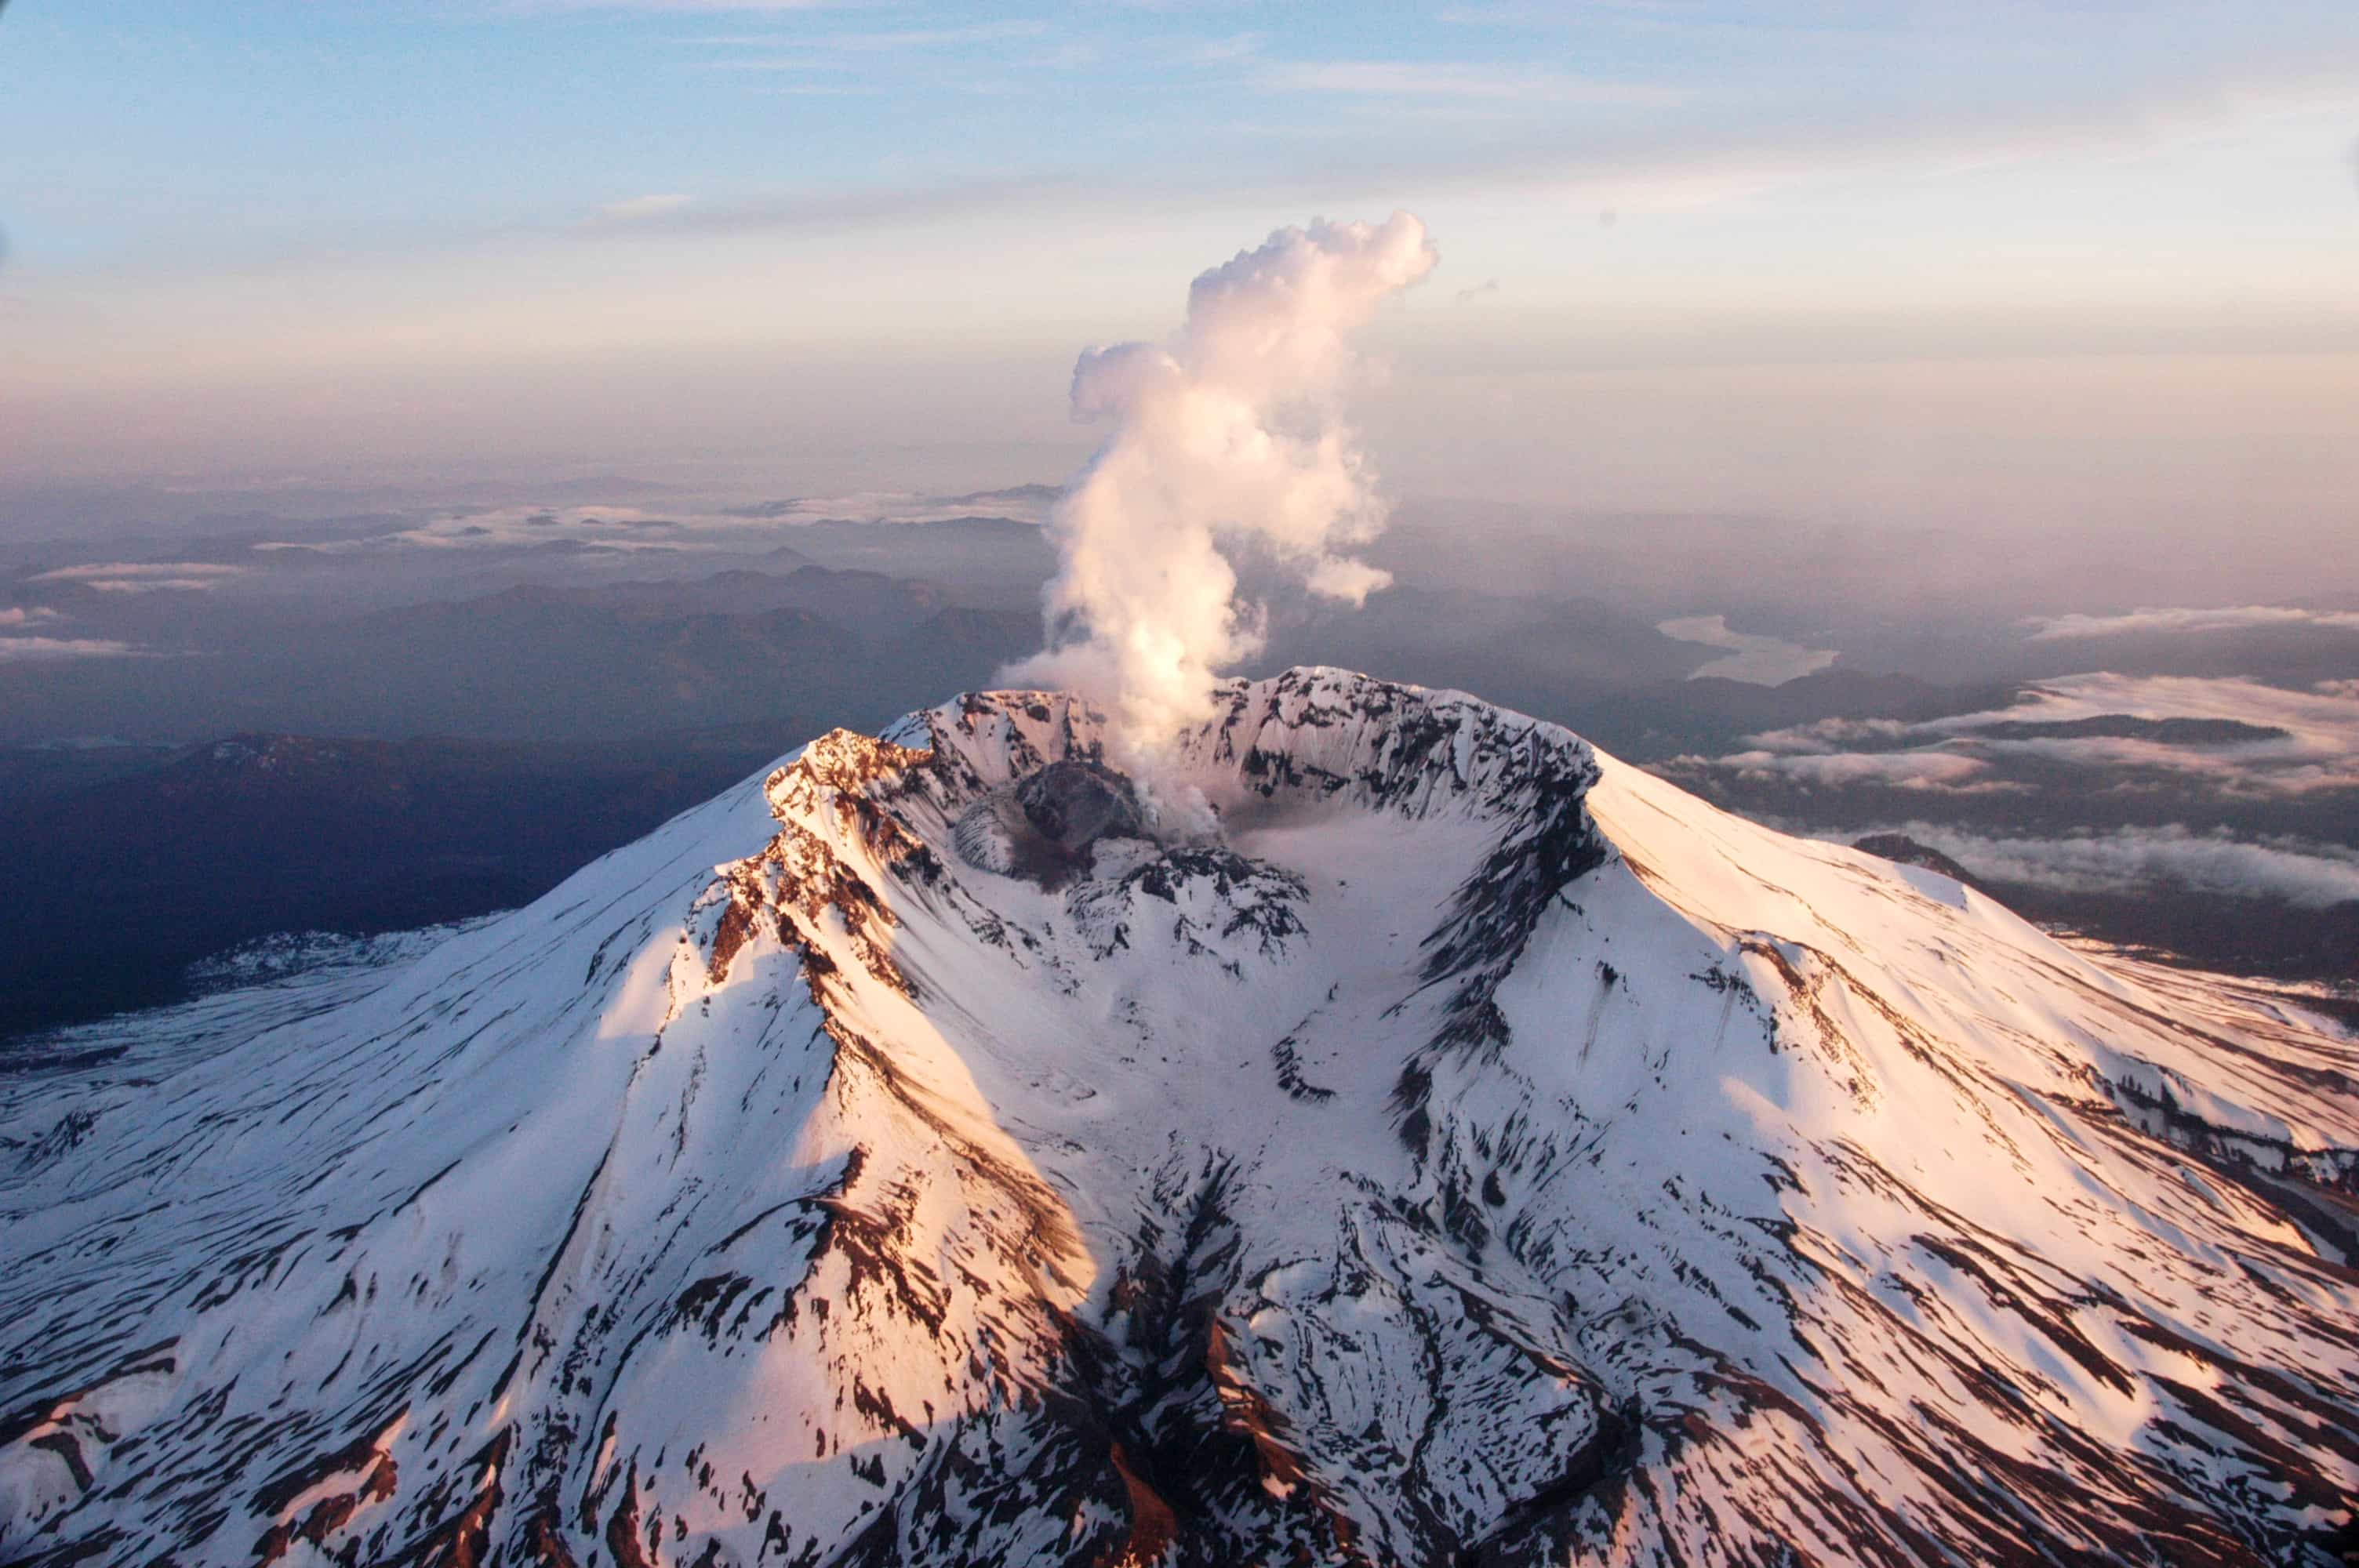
(2315, 747)
(143, 577)
(620, 528)
(2304, 873)
(1228, 441)
(28, 650)
(2228, 618)
(1948, 773)
(505, 528)
(2231, 738)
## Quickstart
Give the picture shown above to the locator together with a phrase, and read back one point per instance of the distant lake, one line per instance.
(1756, 659)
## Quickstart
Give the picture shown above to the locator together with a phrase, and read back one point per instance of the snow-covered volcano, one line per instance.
(1479, 1151)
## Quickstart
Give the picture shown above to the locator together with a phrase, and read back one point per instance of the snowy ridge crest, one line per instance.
(1476, 1152)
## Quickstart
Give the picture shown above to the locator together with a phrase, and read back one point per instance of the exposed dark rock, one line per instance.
(1074, 803)
(1901, 849)
(1046, 826)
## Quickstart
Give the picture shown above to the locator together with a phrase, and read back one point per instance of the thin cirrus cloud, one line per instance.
(681, 7)
(849, 63)
(2225, 618)
(890, 41)
(415, 290)
(823, 211)
(1682, 167)
(1446, 79)
(639, 208)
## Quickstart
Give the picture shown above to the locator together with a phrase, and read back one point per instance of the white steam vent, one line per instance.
(1230, 436)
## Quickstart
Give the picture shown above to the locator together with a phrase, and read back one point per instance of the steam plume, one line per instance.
(1230, 436)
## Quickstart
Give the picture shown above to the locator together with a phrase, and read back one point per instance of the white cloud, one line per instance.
(1829, 735)
(143, 577)
(28, 650)
(2319, 748)
(2226, 618)
(2259, 768)
(1028, 505)
(16, 616)
(2308, 874)
(620, 528)
(1950, 772)
(514, 527)
(153, 584)
(2295, 742)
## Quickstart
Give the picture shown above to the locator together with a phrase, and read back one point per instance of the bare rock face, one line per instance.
(1045, 827)
(1903, 851)
(1074, 803)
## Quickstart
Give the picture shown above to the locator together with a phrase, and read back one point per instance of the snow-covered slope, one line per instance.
(1483, 1153)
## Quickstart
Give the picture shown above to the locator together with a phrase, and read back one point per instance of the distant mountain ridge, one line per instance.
(117, 886)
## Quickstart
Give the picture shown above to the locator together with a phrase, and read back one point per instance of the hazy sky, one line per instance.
(1831, 258)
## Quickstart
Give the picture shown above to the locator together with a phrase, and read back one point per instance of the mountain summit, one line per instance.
(1455, 1147)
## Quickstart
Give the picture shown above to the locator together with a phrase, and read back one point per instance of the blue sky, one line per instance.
(296, 123)
(322, 231)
